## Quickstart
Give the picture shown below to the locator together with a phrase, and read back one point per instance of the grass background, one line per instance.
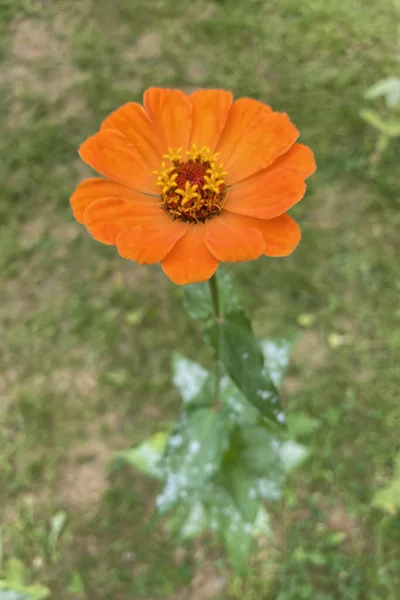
(86, 337)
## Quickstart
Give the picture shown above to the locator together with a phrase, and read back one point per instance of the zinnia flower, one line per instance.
(194, 180)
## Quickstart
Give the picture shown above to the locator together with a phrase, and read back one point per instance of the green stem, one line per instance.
(217, 313)
(215, 295)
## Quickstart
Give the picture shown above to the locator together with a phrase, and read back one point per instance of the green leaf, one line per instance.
(57, 523)
(146, 457)
(226, 519)
(135, 317)
(196, 522)
(198, 302)
(37, 592)
(12, 595)
(259, 452)
(390, 127)
(241, 411)
(190, 519)
(382, 143)
(240, 485)
(270, 487)
(193, 454)
(77, 585)
(388, 498)
(228, 298)
(291, 455)
(15, 591)
(237, 539)
(300, 424)
(241, 320)
(389, 88)
(206, 397)
(276, 357)
(262, 525)
(242, 358)
(15, 572)
(189, 377)
(269, 459)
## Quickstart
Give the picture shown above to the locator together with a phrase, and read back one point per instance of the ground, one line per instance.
(86, 336)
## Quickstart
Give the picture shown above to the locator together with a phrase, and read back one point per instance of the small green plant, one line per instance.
(221, 461)
(14, 575)
(14, 586)
(388, 498)
(387, 120)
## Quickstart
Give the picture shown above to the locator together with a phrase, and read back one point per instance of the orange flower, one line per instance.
(194, 180)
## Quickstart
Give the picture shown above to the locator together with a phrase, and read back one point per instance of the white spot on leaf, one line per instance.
(280, 417)
(189, 378)
(194, 447)
(276, 356)
(175, 441)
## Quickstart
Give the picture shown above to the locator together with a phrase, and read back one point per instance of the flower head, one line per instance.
(194, 180)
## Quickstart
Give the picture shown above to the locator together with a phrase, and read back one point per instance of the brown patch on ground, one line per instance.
(83, 171)
(75, 385)
(32, 41)
(21, 294)
(340, 520)
(9, 514)
(207, 584)
(83, 383)
(345, 324)
(291, 385)
(7, 379)
(148, 45)
(337, 518)
(83, 485)
(32, 230)
(200, 10)
(332, 204)
(63, 235)
(41, 63)
(310, 349)
(362, 375)
(196, 71)
(84, 477)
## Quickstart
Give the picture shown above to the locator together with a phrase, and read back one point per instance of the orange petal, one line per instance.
(210, 112)
(190, 261)
(230, 238)
(94, 189)
(133, 122)
(281, 235)
(240, 117)
(106, 218)
(260, 142)
(299, 157)
(151, 241)
(266, 194)
(112, 155)
(171, 113)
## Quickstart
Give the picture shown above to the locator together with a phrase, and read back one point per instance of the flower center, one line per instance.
(193, 189)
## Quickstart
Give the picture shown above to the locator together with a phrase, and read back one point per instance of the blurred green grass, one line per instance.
(86, 336)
